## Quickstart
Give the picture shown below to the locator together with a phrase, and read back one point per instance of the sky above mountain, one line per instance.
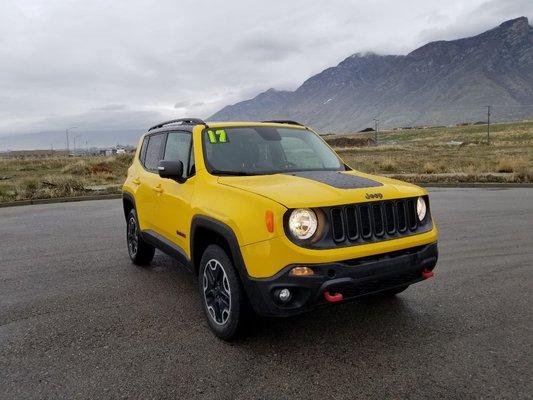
(125, 64)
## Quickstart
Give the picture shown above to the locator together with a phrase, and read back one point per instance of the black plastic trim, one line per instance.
(166, 246)
(203, 221)
(128, 196)
(355, 277)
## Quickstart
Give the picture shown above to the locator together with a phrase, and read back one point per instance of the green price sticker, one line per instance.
(217, 136)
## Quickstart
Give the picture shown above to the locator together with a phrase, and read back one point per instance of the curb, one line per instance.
(61, 200)
(476, 185)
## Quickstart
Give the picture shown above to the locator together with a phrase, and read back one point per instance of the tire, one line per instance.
(223, 298)
(390, 292)
(141, 253)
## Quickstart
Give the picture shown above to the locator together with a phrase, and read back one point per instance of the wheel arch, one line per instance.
(205, 231)
(128, 204)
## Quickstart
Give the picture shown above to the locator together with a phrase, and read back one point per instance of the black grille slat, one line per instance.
(390, 220)
(351, 223)
(337, 225)
(402, 219)
(411, 214)
(364, 217)
(377, 219)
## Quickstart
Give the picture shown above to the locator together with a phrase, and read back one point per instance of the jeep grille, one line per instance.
(376, 221)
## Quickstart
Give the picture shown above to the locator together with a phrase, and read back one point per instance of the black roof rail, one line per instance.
(182, 121)
(284, 121)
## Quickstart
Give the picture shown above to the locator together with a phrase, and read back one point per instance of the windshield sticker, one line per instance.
(218, 136)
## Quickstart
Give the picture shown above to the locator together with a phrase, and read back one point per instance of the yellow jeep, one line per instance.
(271, 219)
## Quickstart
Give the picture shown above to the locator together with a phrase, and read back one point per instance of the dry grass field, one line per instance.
(61, 177)
(443, 154)
(447, 154)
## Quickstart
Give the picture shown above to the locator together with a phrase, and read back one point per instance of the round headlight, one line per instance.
(421, 208)
(303, 223)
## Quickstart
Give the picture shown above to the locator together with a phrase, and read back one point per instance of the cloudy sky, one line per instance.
(124, 64)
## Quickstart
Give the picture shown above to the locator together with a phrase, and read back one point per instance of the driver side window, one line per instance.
(177, 148)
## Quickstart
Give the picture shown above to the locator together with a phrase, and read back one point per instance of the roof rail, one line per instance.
(284, 121)
(181, 121)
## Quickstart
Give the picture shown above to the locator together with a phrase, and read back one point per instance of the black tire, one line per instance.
(223, 298)
(141, 253)
(390, 292)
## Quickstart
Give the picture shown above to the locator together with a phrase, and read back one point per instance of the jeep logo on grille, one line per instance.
(374, 196)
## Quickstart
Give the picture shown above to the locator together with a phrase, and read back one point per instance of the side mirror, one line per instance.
(171, 170)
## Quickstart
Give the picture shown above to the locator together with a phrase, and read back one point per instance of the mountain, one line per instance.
(442, 82)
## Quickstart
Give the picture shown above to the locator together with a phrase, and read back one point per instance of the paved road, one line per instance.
(77, 320)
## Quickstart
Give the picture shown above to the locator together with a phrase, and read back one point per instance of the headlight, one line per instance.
(421, 208)
(303, 223)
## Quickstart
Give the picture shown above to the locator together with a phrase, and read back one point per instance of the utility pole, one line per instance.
(376, 127)
(488, 124)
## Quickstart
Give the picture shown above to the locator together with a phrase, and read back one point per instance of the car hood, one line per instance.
(322, 188)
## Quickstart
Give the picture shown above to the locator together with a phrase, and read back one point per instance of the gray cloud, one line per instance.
(115, 64)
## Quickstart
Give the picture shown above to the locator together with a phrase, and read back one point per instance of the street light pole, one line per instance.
(66, 132)
(75, 137)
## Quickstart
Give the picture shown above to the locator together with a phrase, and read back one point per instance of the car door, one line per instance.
(149, 183)
(174, 204)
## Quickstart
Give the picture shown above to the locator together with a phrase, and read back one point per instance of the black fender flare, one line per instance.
(222, 229)
(128, 196)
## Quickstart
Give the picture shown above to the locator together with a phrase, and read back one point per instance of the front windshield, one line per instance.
(266, 150)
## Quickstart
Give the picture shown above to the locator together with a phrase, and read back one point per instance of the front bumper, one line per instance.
(351, 278)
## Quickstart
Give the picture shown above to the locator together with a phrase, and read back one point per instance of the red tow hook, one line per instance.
(426, 274)
(333, 298)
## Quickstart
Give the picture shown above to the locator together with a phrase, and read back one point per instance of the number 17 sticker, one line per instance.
(217, 136)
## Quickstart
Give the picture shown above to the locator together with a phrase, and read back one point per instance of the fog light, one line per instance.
(284, 295)
(301, 271)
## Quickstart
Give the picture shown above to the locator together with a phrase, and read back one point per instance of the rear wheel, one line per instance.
(141, 253)
(223, 298)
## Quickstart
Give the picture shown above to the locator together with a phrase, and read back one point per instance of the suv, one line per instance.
(271, 220)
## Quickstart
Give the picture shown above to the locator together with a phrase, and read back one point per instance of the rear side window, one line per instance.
(142, 154)
(154, 151)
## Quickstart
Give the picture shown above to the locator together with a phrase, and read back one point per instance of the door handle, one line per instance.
(158, 189)
(136, 181)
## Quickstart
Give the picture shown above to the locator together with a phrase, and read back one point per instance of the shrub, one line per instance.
(388, 165)
(430, 168)
(509, 164)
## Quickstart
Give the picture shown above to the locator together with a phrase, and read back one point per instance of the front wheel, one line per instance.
(223, 298)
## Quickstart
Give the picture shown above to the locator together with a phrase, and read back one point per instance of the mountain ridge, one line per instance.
(441, 82)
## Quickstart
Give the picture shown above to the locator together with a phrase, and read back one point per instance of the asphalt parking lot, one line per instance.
(77, 320)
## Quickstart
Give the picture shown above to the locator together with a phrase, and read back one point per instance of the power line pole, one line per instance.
(488, 124)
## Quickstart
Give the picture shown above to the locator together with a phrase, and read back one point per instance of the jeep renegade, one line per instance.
(271, 220)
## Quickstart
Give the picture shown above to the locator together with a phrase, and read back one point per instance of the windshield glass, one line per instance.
(265, 150)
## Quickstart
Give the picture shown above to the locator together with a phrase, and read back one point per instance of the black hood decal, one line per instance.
(337, 179)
